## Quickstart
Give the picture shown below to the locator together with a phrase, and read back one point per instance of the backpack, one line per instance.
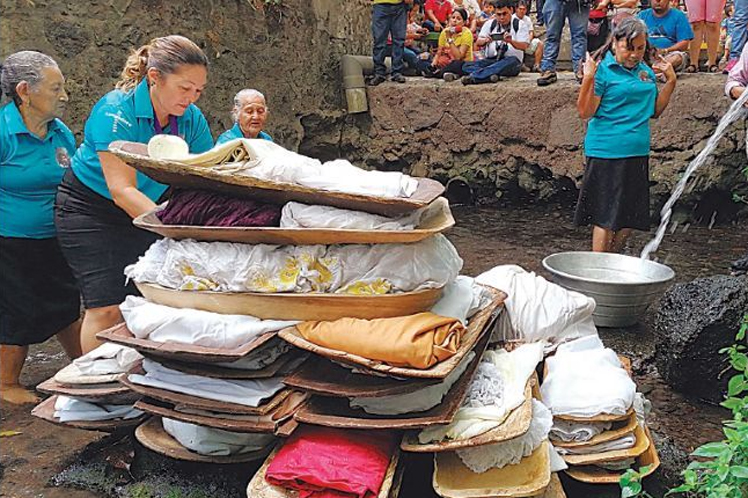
(515, 24)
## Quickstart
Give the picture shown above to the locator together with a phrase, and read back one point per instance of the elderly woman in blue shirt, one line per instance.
(39, 297)
(619, 96)
(249, 114)
(100, 195)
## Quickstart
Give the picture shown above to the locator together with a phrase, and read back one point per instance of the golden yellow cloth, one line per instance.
(417, 341)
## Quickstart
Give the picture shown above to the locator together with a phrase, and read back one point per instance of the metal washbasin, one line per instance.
(622, 286)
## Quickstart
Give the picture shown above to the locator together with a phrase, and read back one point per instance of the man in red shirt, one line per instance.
(437, 14)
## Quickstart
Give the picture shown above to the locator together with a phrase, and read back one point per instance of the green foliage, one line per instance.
(631, 483)
(140, 491)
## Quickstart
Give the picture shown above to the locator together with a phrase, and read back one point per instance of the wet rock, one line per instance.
(740, 266)
(694, 322)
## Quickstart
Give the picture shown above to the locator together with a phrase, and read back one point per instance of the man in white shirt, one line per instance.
(503, 41)
(535, 45)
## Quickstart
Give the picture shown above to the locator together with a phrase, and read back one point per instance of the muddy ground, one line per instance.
(31, 462)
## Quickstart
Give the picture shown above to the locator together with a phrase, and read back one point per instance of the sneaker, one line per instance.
(449, 77)
(468, 80)
(377, 80)
(494, 78)
(524, 69)
(730, 64)
(398, 78)
(535, 68)
(547, 78)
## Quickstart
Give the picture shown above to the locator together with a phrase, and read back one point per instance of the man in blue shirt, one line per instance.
(249, 114)
(669, 32)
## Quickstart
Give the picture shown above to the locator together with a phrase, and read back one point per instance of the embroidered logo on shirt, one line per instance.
(644, 76)
(62, 157)
(117, 118)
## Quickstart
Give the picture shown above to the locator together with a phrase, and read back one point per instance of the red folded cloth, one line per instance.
(321, 462)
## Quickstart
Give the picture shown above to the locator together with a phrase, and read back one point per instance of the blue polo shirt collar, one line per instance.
(143, 104)
(610, 60)
(16, 126)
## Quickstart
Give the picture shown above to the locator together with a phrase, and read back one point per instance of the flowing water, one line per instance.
(736, 111)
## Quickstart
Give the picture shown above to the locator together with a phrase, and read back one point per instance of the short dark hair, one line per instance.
(463, 13)
(524, 3)
(502, 4)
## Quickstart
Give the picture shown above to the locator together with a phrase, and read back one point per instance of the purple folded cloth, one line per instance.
(209, 209)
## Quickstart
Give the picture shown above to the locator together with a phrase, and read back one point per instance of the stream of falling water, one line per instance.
(736, 111)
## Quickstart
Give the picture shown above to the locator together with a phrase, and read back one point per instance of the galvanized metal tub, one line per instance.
(622, 286)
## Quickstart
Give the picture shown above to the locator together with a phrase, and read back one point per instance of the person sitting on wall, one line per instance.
(455, 47)
(249, 114)
(535, 46)
(504, 40)
(669, 32)
(437, 14)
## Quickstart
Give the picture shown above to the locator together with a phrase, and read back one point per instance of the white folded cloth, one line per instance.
(160, 323)
(69, 409)
(514, 370)
(261, 357)
(622, 443)
(250, 392)
(576, 432)
(297, 215)
(461, 299)
(109, 358)
(215, 442)
(416, 401)
(584, 380)
(536, 309)
(480, 459)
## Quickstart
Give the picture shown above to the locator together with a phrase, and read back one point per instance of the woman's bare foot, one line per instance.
(17, 394)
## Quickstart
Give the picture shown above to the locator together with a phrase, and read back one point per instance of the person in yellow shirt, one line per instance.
(455, 47)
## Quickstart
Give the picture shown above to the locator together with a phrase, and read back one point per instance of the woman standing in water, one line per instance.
(619, 96)
(38, 298)
(100, 194)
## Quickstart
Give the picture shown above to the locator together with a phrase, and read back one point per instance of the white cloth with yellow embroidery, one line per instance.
(189, 326)
(215, 442)
(351, 268)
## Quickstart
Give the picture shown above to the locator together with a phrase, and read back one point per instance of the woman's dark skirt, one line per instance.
(38, 296)
(98, 240)
(615, 194)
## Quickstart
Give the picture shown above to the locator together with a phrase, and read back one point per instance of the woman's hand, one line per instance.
(664, 67)
(590, 66)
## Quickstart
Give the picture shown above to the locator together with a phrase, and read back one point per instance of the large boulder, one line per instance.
(696, 320)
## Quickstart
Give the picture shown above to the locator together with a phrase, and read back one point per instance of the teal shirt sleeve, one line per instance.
(600, 80)
(108, 123)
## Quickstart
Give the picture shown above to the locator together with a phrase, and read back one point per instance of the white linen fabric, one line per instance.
(250, 392)
(480, 459)
(109, 358)
(160, 323)
(297, 215)
(622, 443)
(215, 442)
(515, 369)
(575, 432)
(536, 309)
(69, 409)
(350, 268)
(584, 380)
(416, 401)
(461, 299)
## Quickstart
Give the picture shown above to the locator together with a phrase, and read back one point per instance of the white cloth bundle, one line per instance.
(109, 358)
(189, 326)
(575, 432)
(350, 268)
(69, 409)
(251, 392)
(538, 310)
(585, 379)
(297, 215)
(482, 458)
(515, 369)
(622, 443)
(461, 299)
(416, 401)
(215, 442)
(261, 357)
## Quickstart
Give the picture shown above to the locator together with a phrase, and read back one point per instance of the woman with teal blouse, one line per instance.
(38, 295)
(249, 114)
(100, 195)
(619, 96)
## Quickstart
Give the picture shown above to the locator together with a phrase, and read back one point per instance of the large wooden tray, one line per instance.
(186, 176)
(258, 487)
(46, 411)
(554, 489)
(479, 324)
(276, 417)
(596, 475)
(437, 220)
(120, 334)
(618, 430)
(284, 362)
(336, 412)
(194, 402)
(530, 477)
(112, 393)
(295, 306)
(152, 435)
(71, 375)
(642, 444)
(515, 425)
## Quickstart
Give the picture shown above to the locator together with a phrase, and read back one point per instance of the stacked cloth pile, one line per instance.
(598, 417)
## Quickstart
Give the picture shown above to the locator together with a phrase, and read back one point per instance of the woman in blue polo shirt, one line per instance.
(619, 96)
(100, 195)
(38, 297)
(249, 114)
